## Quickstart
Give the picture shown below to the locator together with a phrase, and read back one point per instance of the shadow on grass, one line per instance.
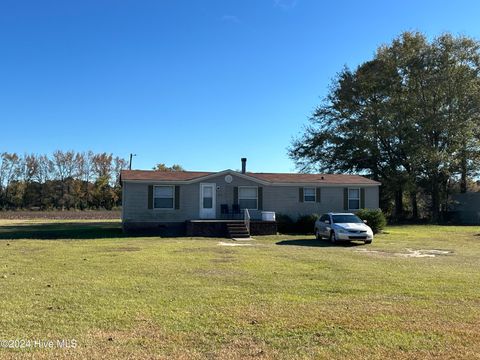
(70, 230)
(318, 243)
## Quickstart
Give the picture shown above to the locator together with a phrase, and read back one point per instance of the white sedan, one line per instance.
(343, 227)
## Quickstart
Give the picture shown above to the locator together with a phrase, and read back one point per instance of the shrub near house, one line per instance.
(374, 217)
(303, 225)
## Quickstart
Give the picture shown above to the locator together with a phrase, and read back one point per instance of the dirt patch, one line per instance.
(123, 249)
(221, 243)
(225, 259)
(424, 253)
(409, 253)
(61, 215)
(215, 250)
(245, 348)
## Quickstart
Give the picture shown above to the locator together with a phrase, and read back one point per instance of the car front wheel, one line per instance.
(333, 237)
(317, 235)
(368, 242)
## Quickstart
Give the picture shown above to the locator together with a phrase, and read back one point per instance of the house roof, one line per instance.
(313, 178)
(284, 178)
(162, 175)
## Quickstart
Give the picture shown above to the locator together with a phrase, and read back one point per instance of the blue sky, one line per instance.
(200, 83)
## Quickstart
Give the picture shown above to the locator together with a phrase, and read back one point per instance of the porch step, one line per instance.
(237, 230)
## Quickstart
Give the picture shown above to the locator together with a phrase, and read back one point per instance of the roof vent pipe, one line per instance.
(244, 165)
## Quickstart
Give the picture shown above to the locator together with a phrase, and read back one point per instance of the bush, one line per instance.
(285, 224)
(305, 224)
(375, 219)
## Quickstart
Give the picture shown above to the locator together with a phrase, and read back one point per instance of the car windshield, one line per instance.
(342, 219)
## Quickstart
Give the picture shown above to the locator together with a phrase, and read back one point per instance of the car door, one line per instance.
(322, 227)
(328, 227)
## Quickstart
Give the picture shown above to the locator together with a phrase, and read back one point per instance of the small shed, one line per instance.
(465, 208)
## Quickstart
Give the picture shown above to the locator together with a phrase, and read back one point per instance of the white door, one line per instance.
(208, 201)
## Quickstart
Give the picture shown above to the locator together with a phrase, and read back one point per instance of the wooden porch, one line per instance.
(232, 228)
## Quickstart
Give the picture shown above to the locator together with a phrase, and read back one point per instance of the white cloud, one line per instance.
(285, 4)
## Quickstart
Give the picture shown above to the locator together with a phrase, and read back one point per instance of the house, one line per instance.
(205, 203)
(464, 209)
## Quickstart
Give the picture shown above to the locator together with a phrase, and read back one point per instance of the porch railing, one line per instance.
(246, 219)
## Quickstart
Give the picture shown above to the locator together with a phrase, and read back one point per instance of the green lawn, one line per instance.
(282, 297)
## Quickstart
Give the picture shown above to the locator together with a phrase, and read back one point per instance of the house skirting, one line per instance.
(218, 228)
(263, 227)
(203, 228)
(155, 227)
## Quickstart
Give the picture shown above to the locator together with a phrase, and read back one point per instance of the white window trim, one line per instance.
(246, 186)
(359, 199)
(173, 197)
(314, 194)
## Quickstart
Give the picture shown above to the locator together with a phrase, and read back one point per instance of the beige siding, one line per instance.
(136, 200)
(225, 190)
(281, 199)
(285, 200)
(372, 197)
(135, 204)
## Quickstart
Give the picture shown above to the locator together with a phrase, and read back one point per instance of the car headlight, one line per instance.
(342, 231)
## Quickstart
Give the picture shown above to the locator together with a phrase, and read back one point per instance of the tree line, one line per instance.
(409, 118)
(63, 180)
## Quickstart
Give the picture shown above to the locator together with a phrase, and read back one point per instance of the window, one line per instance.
(344, 219)
(324, 217)
(207, 197)
(248, 197)
(353, 199)
(309, 195)
(163, 197)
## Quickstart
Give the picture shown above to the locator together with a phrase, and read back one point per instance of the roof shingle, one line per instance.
(162, 175)
(146, 175)
(312, 178)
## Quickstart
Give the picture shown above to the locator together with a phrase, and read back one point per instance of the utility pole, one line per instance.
(131, 156)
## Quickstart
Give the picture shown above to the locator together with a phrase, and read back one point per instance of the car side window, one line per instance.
(323, 218)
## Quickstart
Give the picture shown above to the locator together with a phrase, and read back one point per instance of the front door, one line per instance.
(207, 201)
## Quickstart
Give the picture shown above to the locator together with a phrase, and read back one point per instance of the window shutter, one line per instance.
(345, 199)
(300, 194)
(177, 197)
(319, 194)
(235, 195)
(260, 198)
(150, 197)
(362, 198)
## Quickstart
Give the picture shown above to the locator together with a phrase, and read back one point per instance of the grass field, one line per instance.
(288, 297)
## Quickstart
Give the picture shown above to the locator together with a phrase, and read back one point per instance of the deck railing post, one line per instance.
(246, 219)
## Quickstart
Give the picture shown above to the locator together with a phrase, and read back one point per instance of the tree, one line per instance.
(408, 118)
(62, 180)
(441, 81)
(10, 170)
(102, 165)
(353, 131)
(119, 164)
(85, 169)
(30, 170)
(65, 168)
(165, 168)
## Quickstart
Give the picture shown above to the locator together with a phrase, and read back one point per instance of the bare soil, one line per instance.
(61, 215)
